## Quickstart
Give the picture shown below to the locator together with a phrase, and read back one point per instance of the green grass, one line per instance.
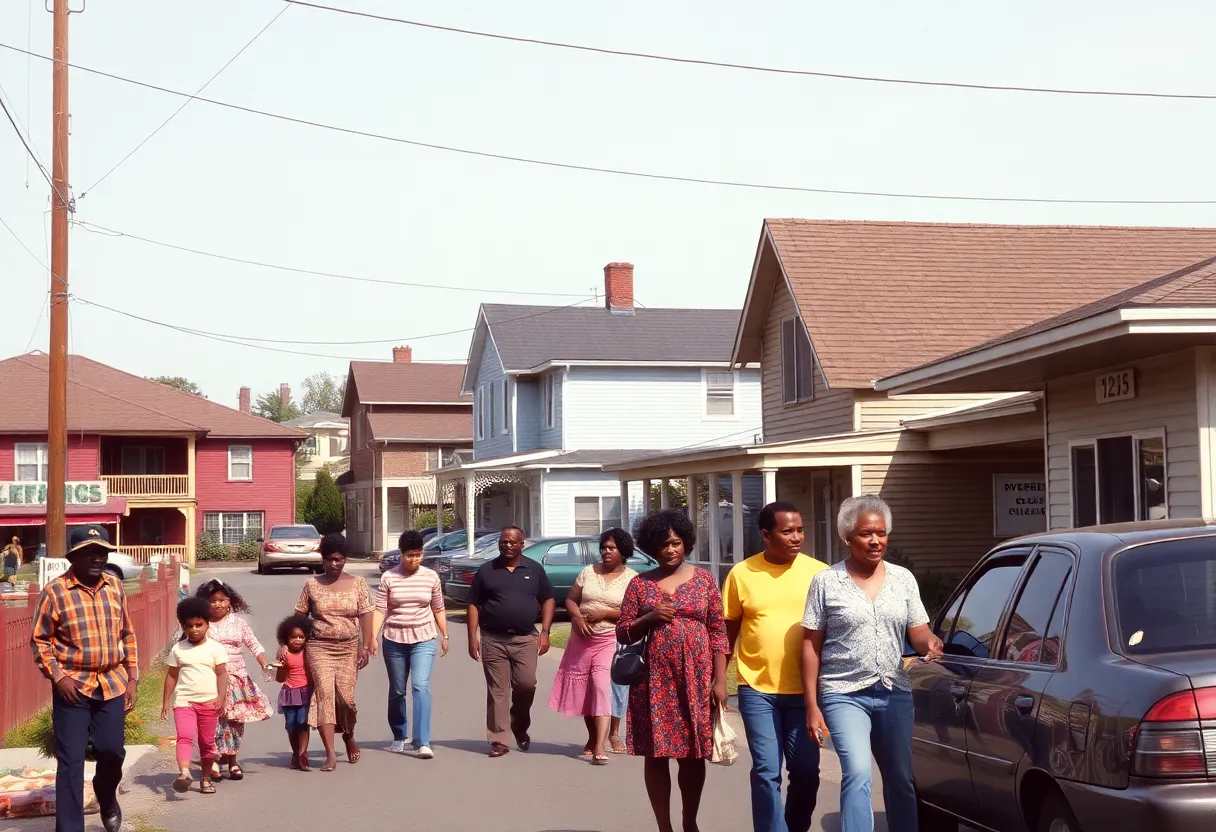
(36, 731)
(559, 634)
(732, 677)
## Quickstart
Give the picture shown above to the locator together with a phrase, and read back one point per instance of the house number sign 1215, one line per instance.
(1113, 387)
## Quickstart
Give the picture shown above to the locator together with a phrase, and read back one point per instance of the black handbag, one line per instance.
(629, 662)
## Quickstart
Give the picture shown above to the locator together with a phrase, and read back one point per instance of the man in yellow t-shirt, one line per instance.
(763, 601)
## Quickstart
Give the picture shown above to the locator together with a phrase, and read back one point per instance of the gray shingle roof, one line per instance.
(527, 336)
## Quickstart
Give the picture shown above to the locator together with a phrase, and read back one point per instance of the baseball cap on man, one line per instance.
(82, 537)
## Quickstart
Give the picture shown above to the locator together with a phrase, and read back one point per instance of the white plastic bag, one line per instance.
(726, 749)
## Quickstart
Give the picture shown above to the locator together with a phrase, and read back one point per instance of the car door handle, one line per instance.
(1024, 704)
(959, 692)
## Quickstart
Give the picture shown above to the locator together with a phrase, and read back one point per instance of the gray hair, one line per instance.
(854, 508)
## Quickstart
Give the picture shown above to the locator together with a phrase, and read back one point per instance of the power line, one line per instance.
(185, 103)
(256, 342)
(836, 76)
(110, 232)
(21, 243)
(20, 135)
(616, 171)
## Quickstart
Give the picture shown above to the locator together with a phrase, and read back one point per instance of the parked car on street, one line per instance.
(436, 559)
(562, 557)
(1078, 686)
(457, 541)
(290, 546)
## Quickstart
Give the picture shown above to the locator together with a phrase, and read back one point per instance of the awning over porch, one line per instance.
(77, 515)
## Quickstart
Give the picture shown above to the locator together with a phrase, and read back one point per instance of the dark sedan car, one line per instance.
(1078, 687)
(562, 557)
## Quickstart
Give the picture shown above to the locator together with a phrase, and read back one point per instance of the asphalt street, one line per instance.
(546, 790)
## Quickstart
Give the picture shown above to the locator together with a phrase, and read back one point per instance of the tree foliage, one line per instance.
(179, 382)
(324, 508)
(323, 392)
(271, 406)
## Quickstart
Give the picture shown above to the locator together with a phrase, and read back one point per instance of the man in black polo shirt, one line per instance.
(507, 595)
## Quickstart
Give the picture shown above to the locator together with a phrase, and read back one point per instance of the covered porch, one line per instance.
(485, 496)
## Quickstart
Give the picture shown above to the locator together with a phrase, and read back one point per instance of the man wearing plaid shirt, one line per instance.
(84, 643)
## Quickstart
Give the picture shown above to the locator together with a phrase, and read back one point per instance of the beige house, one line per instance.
(328, 444)
(834, 307)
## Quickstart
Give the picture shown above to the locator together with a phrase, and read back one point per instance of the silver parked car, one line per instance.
(297, 545)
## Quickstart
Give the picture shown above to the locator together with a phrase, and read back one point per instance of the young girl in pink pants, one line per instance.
(198, 672)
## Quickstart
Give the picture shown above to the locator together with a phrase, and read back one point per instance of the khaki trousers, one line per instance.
(509, 663)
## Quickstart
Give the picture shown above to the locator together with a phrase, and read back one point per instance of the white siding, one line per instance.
(562, 486)
(831, 411)
(490, 372)
(660, 408)
(880, 411)
(1165, 399)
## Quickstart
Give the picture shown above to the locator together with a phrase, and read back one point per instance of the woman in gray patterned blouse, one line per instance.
(858, 614)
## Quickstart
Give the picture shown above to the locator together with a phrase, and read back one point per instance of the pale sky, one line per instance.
(254, 188)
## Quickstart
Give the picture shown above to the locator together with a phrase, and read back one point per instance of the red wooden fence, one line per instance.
(24, 690)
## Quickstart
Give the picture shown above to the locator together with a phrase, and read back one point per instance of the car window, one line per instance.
(280, 532)
(1164, 597)
(1032, 613)
(564, 553)
(942, 630)
(977, 619)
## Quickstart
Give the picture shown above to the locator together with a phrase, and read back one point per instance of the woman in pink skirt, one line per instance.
(583, 684)
(245, 700)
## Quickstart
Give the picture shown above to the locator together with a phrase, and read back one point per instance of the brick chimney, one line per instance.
(284, 393)
(243, 400)
(403, 355)
(618, 288)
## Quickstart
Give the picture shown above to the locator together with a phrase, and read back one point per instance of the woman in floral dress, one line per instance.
(341, 607)
(671, 713)
(246, 702)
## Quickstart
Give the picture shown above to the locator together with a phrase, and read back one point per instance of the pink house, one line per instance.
(159, 467)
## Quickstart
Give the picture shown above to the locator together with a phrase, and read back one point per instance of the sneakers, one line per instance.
(426, 753)
(397, 747)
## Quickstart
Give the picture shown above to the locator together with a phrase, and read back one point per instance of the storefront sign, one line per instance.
(1019, 505)
(34, 493)
(1116, 386)
(51, 568)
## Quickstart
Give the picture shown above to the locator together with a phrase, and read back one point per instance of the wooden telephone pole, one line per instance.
(57, 412)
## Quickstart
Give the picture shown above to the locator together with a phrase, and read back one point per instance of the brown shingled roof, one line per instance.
(402, 382)
(102, 399)
(422, 426)
(881, 297)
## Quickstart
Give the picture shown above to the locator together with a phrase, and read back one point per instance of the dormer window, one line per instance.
(797, 362)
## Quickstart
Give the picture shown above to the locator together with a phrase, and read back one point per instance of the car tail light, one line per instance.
(1162, 751)
(272, 547)
(466, 576)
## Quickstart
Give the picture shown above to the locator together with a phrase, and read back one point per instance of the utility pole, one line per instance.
(57, 404)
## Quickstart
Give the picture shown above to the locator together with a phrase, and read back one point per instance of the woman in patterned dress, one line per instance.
(671, 713)
(341, 605)
(246, 702)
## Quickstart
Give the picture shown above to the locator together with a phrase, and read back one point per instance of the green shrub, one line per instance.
(210, 548)
(325, 509)
(425, 519)
(303, 490)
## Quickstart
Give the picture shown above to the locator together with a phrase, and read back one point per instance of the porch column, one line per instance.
(694, 499)
(439, 503)
(470, 510)
(737, 550)
(770, 485)
(715, 528)
(626, 520)
(645, 497)
(383, 517)
(191, 534)
(664, 493)
(190, 447)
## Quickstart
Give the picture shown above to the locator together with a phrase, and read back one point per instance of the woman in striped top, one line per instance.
(409, 606)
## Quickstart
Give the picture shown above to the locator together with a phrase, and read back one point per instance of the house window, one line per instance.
(797, 362)
(506, 406)
(240, 462)
(337, 445)
(143, 460)
(1117, 479)
(490, 407)
(593, 515)
(720, 394)
(232, 528)
(548, 399)
(31, 461)
(480, 407)
(311, 445)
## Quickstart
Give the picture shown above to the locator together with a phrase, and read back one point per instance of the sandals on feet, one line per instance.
(303, 765)
(182, 784)
(599, 760)
(353, 756)
(617, 746)
(498, 749)
(207, 787)
(235, 772)
(330, 765)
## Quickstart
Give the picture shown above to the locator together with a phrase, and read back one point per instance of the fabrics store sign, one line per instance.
(1019, 505)
(34, 493)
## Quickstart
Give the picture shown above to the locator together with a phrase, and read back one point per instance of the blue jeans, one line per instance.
(103, 722)
(620, 700)
(775, 724)
(410, 663)
(879, 721)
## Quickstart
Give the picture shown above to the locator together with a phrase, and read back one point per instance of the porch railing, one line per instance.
(144, 554)
(149, 485)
